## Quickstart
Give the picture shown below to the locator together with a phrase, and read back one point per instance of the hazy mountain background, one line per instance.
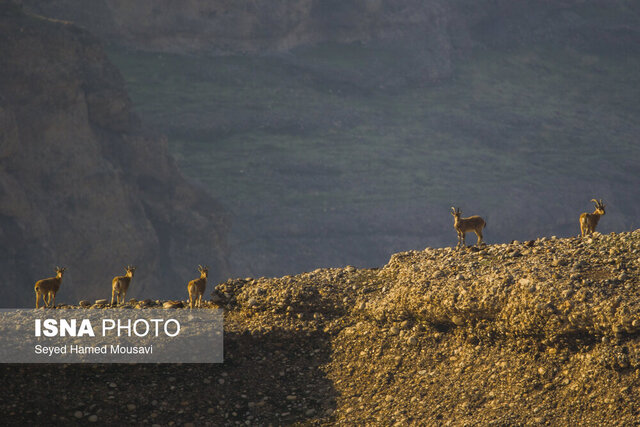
(340, 132)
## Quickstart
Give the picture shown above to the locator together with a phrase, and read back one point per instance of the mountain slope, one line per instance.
(366, 120)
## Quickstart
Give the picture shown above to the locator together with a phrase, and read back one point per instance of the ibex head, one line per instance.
(203, 270)
(60, 271)
(130, 270)
(599, 206)
(455, 212)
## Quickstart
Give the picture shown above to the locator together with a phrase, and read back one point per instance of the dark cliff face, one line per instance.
(80, 184)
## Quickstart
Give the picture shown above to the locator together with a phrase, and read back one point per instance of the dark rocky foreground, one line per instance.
(539, 332)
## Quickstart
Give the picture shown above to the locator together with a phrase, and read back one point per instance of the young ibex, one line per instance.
(196, 287)
(589, 221)
(120, 286)
(48, 288)
(462, 225)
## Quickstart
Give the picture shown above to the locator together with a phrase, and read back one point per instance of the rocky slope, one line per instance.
(532, 333)
(81, 185)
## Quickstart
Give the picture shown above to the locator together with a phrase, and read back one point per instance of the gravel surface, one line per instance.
(536, 332)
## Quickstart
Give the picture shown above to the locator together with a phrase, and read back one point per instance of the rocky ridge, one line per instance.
(536, 332)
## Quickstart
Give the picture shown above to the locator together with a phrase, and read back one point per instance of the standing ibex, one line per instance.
(462, 225)
(120, 286)
(589, 221)
(48, 288)
(196, 287)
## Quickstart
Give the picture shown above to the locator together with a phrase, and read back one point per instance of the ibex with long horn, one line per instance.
(589, 221)
(462, 225)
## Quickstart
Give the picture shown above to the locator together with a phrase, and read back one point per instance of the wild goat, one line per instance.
(196, 287)
(462, 225)
(49, 288)
(120, 286)
(589, 221)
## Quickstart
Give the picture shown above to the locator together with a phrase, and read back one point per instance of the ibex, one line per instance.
(589, 221)
(120, 286)
(462, 225)
(196, 287)
(48, 288)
